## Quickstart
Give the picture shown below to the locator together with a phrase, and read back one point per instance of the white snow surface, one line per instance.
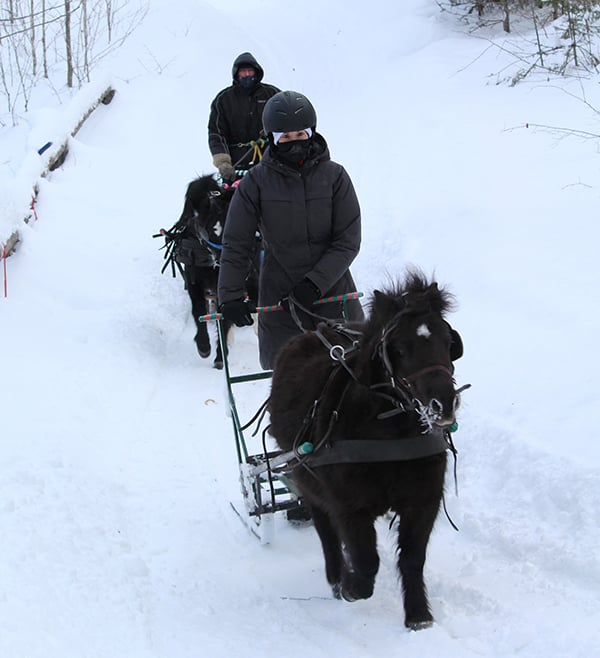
(117, 460)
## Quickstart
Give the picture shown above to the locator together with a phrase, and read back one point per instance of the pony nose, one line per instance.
(442, 414)
(436, 408)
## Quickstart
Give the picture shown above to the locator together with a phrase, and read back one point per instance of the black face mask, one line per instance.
(248, 83)
(293, 153)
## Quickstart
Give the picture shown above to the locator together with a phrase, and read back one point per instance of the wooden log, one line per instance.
(56, 161)
(105, 98)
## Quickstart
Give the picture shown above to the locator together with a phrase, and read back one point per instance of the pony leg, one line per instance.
(414, 530)
(332, 549)
(202, 340)
(361, 561)
(199, 307)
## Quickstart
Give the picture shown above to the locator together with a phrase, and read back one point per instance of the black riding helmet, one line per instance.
(288, 111)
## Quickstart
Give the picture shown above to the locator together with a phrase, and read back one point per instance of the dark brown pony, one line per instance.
(194, 245)
(370, 405)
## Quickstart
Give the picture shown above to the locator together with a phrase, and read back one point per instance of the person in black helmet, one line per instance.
(236, 118)
(307, 212)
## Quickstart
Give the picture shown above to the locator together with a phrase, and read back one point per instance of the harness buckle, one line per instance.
(336, 353)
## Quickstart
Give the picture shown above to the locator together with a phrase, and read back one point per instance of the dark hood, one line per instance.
(246, 58)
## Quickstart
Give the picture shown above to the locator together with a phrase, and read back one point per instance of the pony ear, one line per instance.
(456, 345)
(385, 306)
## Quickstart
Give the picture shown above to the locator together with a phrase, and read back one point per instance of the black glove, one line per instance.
(238, 312)
(303, 294)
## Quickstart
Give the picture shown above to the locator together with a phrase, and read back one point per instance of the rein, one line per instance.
(424, 371)
(402, 397)
(256, 146)
(338, 353)
(308, 452)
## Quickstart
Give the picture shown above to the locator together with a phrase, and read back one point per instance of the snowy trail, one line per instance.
(118, 462)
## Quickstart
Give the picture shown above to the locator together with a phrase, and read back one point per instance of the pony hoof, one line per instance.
(356, 587)
(348, 597)
(218, 365)
(419, 625)
(203, 350)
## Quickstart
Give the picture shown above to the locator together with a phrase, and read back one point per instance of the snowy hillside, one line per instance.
(117, 459)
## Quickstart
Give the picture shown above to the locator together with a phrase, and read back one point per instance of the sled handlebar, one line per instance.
(277, 307)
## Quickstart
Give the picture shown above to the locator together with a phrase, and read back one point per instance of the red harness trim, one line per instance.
(4, 269)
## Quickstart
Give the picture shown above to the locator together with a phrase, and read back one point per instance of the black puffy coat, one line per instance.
(310, 222)
(236, 115)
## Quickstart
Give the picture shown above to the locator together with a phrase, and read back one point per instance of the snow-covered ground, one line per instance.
(117, 461)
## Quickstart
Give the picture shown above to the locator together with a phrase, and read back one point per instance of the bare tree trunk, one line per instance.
(572, 32)
(555, 9)
(68, 44)
(506, 20)
(32, 37)
(6, 88)
(537, 36)
(86, 45)
(109, 20)
(44, 45)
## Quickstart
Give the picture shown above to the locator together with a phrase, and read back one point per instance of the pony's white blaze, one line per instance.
(423, 330)
(217, 229)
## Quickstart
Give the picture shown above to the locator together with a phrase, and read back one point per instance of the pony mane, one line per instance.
(415, 290)
(198, 190)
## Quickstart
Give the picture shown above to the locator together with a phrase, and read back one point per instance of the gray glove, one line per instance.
(222, 162)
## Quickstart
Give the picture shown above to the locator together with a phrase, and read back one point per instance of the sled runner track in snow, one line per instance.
(264, 485)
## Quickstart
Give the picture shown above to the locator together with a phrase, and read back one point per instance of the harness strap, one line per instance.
(357, 451)
(214, 245)
(353, 451)
(337, 352)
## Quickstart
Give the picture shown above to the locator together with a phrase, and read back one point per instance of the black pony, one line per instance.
(194, 246)
(366, 409)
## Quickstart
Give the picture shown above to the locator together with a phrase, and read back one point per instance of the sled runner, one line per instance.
(264, 486)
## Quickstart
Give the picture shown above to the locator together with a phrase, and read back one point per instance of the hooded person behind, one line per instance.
(236, 117)
(305, 207)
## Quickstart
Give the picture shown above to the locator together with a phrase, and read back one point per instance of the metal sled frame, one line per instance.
(264, 491)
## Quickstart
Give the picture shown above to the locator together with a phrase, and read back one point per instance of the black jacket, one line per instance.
(236, 116)
(311, 227)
